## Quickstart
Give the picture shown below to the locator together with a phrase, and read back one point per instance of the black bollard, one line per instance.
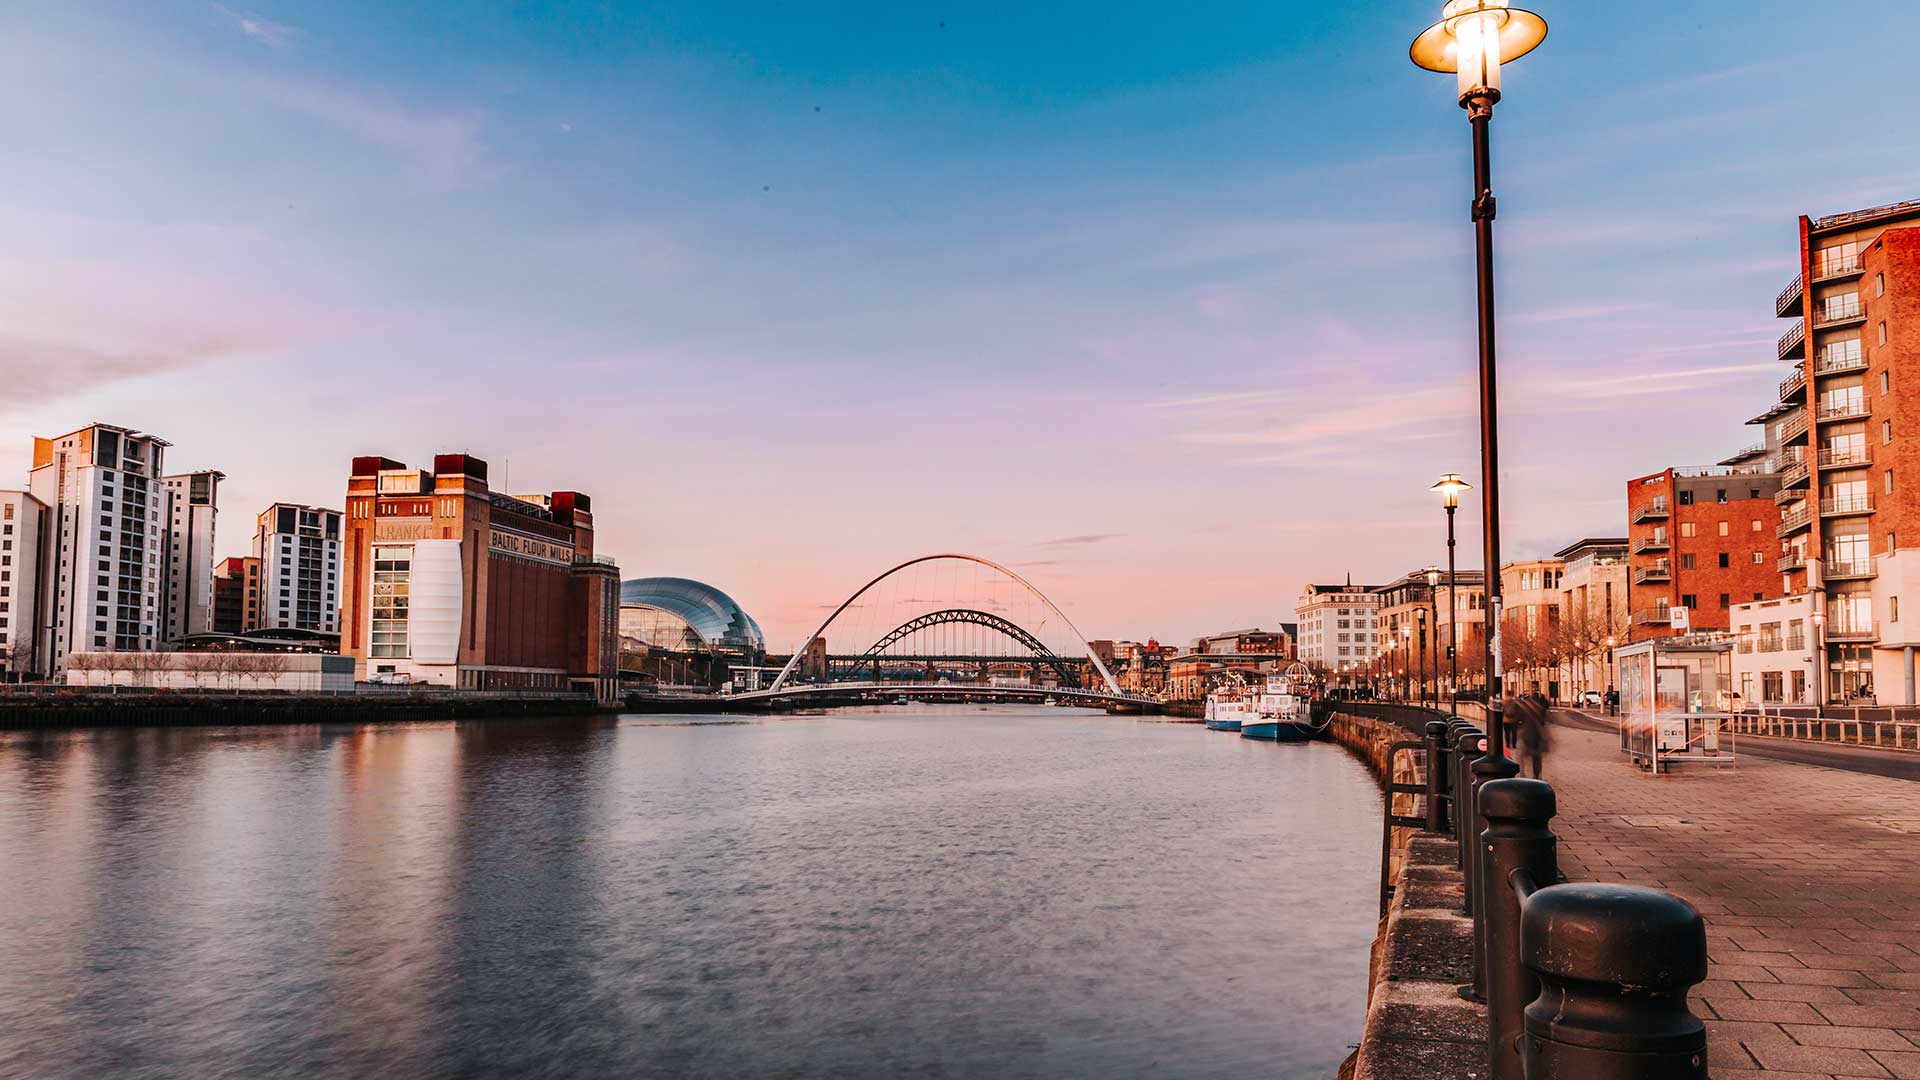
(1495, 765)
(1518, 850)
(1462, 785)
(1615, 963)
(1436, 775)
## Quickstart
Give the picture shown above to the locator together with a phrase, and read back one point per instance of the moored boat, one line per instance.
(1284, 708)
(1228, 707)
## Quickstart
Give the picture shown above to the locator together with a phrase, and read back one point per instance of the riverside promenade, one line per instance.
(1809, 879)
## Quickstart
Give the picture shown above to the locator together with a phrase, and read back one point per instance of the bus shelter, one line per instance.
(1676, 699)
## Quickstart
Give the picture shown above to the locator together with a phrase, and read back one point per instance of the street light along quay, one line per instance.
(1433, 601)
(1450, 486)
(1473, 39)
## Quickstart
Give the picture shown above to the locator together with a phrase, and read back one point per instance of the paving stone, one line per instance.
(1831, 1060)
(1857, 1037)
(1904, 1064)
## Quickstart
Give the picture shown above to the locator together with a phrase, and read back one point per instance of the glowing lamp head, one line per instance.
(1473, 38)
(1433, 577)
(1450, 487)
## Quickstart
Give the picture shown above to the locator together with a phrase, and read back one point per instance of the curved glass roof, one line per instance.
(708, 610)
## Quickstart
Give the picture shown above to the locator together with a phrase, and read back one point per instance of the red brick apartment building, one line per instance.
(444, 581)
(1700, 539)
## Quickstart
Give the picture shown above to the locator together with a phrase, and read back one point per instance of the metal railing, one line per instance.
(1850, 631)
(1652, 573)
(1790, 296)
(1793, 522)
(1792, 476)
(1793, 384)
(1745, 453)
(1842, 266)
(1830, 362)
(1794, 427)
(1653, 511)
(1850, 504)
(1844, 410)
(1831, 315)
(1650, 543)
(1792, 339)
(1835, 571)
(1831, 458)
(1650, 617)
(1791, 561)
(1579, 979)
(1884, 728)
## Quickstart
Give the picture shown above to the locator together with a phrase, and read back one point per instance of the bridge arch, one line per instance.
(1005, 627)
(1105, 675)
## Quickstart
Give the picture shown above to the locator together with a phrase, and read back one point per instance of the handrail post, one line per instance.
(1460, 731)
(1493, 765)
(1436, 775)
(1615, 963)
(1519, 853)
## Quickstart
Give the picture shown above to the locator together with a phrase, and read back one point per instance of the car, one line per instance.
(1593, 699)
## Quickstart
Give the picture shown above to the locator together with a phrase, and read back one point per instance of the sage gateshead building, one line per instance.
(669, 616)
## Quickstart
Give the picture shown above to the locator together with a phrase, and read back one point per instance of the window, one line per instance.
(392, 572)
(1686, 498)
(1886, 432)
(1723, 561)
(1893, 609)
(1689, 600)
(1686, 562)
(1880, 284)
(1756, 525)
(1759, 558)
(1726, 601)
(1687, 528)
(1720, 496)
(1723, 525)
(1886, 383)
(1882, 331)
(1889, 483)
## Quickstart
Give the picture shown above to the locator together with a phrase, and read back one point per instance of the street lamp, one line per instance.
(1819, 621)
(1473, 39)
(1450, 486)
(1420, 647)
(1406, 648)
(1433, 601)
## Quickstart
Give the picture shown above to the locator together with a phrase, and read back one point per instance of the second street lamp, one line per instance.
(1450, 486)
(1433, 601)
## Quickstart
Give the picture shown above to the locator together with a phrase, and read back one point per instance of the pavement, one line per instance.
(1809, 879)
(1901, 764)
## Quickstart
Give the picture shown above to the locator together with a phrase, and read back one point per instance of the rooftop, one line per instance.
(1861, 217)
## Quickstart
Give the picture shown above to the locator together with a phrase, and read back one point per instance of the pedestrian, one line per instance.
(1530, 730)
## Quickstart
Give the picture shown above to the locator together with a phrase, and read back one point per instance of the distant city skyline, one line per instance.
(1133, 301)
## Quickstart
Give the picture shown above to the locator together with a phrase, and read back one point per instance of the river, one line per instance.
(920, 891)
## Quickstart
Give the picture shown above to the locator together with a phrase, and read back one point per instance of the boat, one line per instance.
(1051, 700)
(1229, 706)
(1284, 708)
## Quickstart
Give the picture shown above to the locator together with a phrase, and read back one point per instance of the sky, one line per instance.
(1167, 306)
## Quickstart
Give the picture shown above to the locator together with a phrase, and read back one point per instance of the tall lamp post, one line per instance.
(1450, 486)
(1406, 657)
(1433, 601)
(1471, 40)
(1420, 647)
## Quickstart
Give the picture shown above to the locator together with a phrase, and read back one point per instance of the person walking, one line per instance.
(1530, 730)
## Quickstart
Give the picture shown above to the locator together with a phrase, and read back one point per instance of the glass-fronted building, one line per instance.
(680, 615)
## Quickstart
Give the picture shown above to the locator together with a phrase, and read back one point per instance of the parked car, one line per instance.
(1593, 699)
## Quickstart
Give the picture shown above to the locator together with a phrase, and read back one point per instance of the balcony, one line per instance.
(1852, 458)
(1791, 561)
(1653, 511)
(1842, 266)
(1839, 315)
(1850, 632)
(1794, 386)
(1659, 571)
(1832, 363)
(1793, 339)
(1848, 571)
(1788, 302)
(1648, 544)
(1793, 428)
(1792, 522)
(1792, 475)
(1787, 495)
(1744, 455)
(1651, 617)
(1850, 506)
(1843, 410)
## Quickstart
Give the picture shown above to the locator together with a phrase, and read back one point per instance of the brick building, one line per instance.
(236, 595)
(445, 581)
(1702, 540)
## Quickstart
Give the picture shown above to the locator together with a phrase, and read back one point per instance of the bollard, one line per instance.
(1462, 789)
(1518, 850)
(1436, 775)
(1493, 765)
(1615, 963)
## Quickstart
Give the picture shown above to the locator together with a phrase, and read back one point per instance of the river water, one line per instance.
(919, 891)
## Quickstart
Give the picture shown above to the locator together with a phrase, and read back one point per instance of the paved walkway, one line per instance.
(1809, 879)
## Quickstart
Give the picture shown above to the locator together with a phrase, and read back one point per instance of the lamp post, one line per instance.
(1433, 601)
(1406, 650)
(1450, 486)
(1819, 621)
(1471, 40)
(1420, 649)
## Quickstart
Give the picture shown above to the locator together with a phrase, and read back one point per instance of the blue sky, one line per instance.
(1167, 305)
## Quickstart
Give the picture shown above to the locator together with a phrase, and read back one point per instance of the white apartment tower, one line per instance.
(22, 517)
(1337, 624)
(103, 544)
(187, 571)
(299, 552)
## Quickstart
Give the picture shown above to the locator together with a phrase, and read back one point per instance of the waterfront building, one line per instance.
(1336, 624)
(1701, 540)
(236, 595)
(297, 551)
(1532, 637)
(447, 582)
(103, 545)
(22, 520)
(681, 631)
(1462, 607)
(1773, 656)
(186, 570)
(1593, 610)
(1406, 627)
(1253, 640)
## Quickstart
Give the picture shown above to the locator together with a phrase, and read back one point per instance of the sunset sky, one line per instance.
(1167, 305)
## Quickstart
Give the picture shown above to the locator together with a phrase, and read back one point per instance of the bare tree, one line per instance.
(144, 667)
(17, 654)
(268, 666)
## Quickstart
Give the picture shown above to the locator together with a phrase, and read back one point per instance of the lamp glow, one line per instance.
(1473, 39)
(1450, 486)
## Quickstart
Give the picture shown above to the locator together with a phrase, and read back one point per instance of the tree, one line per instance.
(17, 654)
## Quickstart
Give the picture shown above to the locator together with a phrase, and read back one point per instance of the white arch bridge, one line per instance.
(922, 626)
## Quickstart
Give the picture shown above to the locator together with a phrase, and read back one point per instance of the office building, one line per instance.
(1335, 624)
(1773, 655)
(186, 571)
(236, 595)
(103, 545)
(444, 581)
(22, 519)
(298, 553)
(1593, 610)
(1701, 540)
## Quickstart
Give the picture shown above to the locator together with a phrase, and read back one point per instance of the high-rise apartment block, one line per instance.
(102, 549)
(1336, 624)
(445, 581)
(298, 553)
(22, 520)
(186, 569)
(1701, 541)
